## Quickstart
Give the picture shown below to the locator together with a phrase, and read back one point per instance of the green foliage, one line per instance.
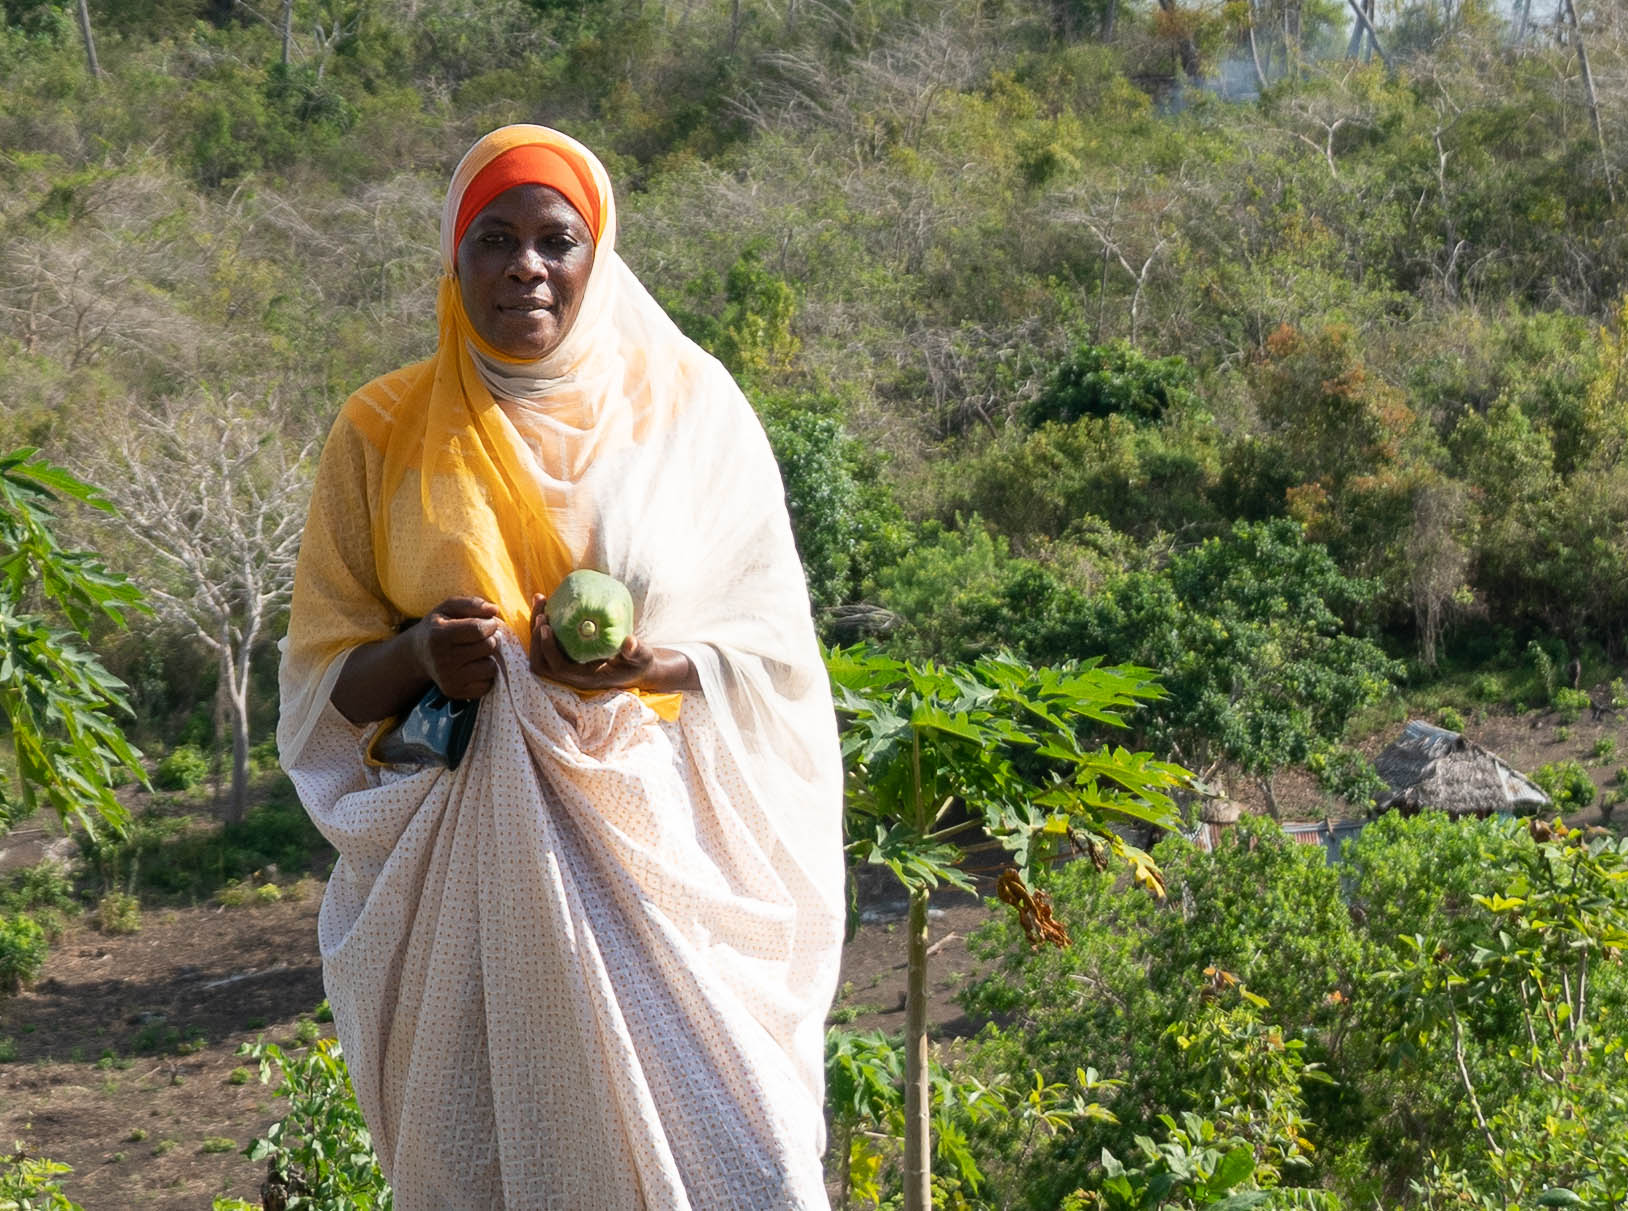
(1245, 634)
(320, 1153)
(1451, 719)
(118, 913)
(842, 515)
(1567, 783)
(182, 768)
(22, 951)
(1569, 704)
(1002, 740)
(1605, 748)
(865, 1102)
(45, 887)
(32, 1184)
(59, 700)
(178, 856)
(1524, 962)
(1112, 380)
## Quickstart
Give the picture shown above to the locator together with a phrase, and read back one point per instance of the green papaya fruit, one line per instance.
(591, 614)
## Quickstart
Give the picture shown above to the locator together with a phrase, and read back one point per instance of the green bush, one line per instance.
(119, 913)
(184, 768)
(22, 951)
(174, 856)
(1604, 749)
(1569, 704)
(263, 756)
(1112, 380)
(35, 888)
(1567, 783)
(322, 1148)
(1450, 719)
(30, 1184)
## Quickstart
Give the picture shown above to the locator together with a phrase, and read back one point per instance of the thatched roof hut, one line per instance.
(1431, 767)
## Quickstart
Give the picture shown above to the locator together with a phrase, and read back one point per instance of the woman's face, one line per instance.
(523, 264)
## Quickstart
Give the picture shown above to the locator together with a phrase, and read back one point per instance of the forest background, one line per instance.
(1216, 338)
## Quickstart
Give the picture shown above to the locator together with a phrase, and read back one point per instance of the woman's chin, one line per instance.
(527, 338)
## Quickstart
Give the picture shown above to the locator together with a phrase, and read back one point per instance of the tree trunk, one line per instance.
(237, 685)
(1373, 38)
(240, 759)
(918, 1168)
(288, 29)
(90, 41)
(1265, 783)
(1588, 92)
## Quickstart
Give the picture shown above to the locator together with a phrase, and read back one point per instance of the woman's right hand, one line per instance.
(455, 645)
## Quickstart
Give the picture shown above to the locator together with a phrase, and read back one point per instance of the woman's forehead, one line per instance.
(532, 202)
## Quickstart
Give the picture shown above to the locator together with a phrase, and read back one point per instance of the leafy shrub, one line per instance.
(1487, 688)
(44, 893)
(34, 887)
(1112, 380)
(119, 913)
(1569, 704)
(1543, 665)
(235, 894)
(174, 856)
(321, 1149)
(263, 756)
(184, 768)
(268, 893)
(30, 1184)
(22, 951)
(1604, 749)
(1450, 719)
(1567, 783)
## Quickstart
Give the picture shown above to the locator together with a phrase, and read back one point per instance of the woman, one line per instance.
(588, 968)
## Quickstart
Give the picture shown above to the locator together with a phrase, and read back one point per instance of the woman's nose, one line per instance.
(529, 263)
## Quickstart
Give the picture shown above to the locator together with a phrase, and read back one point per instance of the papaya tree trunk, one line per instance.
(918, 1169)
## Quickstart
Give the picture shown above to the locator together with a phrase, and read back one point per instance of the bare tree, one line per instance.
(1133, 241)
(1590, 94)
(1437, 562)
(216, 496)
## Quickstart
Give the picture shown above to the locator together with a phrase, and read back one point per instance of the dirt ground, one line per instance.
(125, 1048)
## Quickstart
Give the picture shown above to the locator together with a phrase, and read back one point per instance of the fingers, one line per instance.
(466, 607)
(472, 680)
(457, 646)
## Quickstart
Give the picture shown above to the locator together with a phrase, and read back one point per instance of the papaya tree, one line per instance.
(946, 763)
(61, 704)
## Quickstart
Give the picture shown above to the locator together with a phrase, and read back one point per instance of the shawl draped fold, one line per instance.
(588, 969)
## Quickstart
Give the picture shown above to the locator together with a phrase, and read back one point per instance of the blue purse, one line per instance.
(435, 731)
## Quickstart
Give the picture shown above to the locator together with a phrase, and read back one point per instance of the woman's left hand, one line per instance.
(636, 666)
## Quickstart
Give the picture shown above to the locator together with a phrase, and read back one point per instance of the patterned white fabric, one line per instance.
(589, 969)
